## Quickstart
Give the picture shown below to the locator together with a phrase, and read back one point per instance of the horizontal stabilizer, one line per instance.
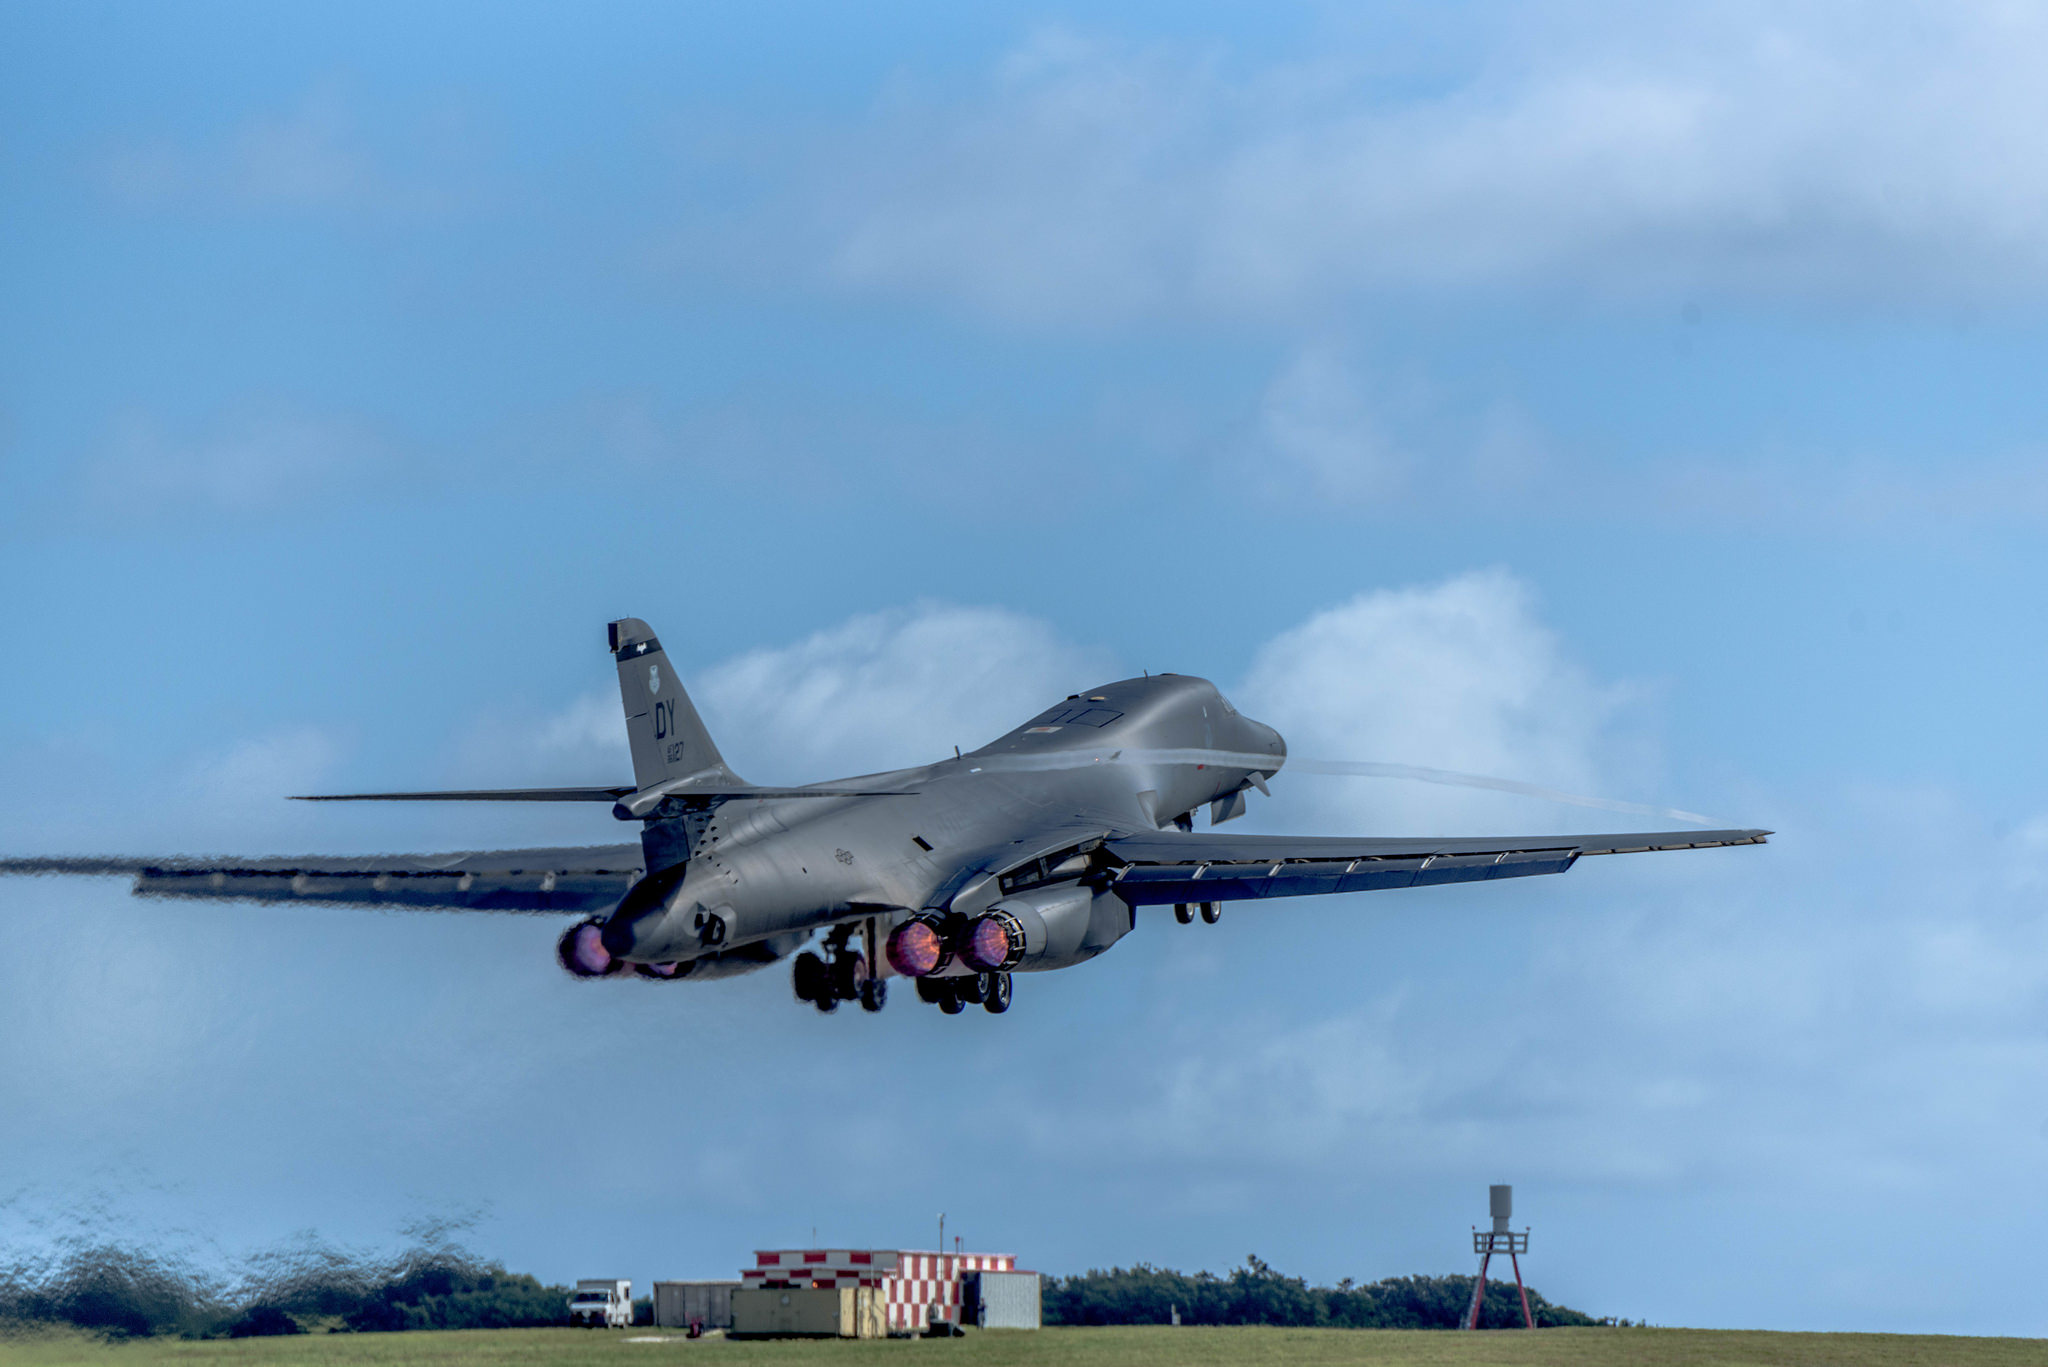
(476, 795)
(721, 794)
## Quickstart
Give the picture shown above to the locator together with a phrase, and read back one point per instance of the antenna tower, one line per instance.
(1500, 1239)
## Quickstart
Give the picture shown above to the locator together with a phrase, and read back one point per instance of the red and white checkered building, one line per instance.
(912, 1281)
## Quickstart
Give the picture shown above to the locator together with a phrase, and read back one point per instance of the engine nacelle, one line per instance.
(1049, 927)
(747, 958)
(582, 951)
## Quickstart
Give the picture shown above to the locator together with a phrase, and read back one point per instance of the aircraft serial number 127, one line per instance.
(1031, 853)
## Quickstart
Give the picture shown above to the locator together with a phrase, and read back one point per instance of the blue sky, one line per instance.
(1620, 401)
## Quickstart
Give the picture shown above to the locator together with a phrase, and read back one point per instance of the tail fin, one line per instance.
(668, 738)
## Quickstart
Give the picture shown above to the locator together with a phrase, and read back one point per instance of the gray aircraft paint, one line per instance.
(1062, 827)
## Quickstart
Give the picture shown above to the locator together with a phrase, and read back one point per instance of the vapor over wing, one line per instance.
(1340, 768)
(1171, 867)
(591, 878)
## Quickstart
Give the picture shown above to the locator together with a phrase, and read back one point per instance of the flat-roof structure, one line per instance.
(913, 1281)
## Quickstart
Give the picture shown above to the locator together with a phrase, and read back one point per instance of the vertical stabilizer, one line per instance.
(668, 738)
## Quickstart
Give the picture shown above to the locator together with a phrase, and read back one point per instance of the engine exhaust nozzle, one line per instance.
(917, 948)
(581, 950)
(993, 942)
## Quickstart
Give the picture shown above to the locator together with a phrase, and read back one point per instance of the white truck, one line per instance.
(602, 1305)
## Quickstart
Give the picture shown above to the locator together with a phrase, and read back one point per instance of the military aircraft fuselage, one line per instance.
(1103, 761)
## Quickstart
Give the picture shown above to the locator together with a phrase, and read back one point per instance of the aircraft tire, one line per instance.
(996, 1000)
(972, 990)
(874, 994)
(951, 1003)
(846, 974)
(1184, 912)
(1212, 912)
(807, 976)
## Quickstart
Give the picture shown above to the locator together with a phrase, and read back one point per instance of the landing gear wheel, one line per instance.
(970, 990)
(951, 1003)
(826, 1004)
(807, 976)
(1212, 912)
(996, 999)
(1184, 912)
(874, 994)
(933, 990)
(848, 971)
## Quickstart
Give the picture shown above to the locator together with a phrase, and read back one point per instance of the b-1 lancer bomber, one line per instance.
(1030, 854)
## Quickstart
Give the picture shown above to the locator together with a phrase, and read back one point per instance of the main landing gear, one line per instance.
(1184, 912)
(990, 991)
(842, 975)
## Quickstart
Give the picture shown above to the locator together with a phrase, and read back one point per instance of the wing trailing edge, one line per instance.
(1160, 869)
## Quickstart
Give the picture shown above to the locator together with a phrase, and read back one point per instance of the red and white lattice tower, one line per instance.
(1499, 1239)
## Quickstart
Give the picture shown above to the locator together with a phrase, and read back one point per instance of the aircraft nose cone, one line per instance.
(1265, 739)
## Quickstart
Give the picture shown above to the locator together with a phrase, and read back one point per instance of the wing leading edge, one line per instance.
(592, 878)
(1161, 869)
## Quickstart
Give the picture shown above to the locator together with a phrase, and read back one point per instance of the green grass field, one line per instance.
(1151, 1347)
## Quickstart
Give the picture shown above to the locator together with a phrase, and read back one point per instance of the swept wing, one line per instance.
(587, 878)
(1165, 868)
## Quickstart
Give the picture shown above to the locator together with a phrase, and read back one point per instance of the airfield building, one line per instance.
(678, 1305)
(906, 1290)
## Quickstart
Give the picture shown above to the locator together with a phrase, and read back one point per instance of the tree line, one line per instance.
(125, 1293)
(1256, 1294)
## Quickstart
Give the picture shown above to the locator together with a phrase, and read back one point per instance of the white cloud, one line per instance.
(581, 744)
(263, 769)
(1460, 675)
(319, 153)
(256, 458)
(592, 725)
(1810, 151)
(1318, 433)
(308, 156)
(75, 796)
(889, 689)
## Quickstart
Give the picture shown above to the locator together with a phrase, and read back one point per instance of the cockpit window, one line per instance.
(1076, 714)
(1228, 710)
